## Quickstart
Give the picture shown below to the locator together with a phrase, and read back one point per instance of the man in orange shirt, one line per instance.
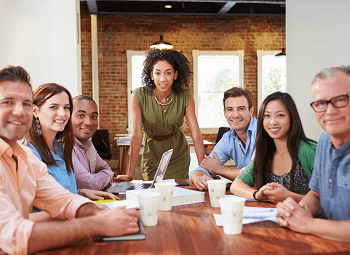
(24, 182)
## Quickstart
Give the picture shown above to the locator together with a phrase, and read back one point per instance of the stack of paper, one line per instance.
(129, 204)
(181, 196)
(252, 215)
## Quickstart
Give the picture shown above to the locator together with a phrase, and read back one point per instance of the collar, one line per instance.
(250, 128)
(84, 146)
(343, 150)
(6, 149)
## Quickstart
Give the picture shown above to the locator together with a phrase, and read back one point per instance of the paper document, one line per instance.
(218, 220)
(130, 204)
(253, 214)
(259, 212)
(169, 180)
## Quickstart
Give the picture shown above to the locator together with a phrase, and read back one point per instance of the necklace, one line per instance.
(161, 103)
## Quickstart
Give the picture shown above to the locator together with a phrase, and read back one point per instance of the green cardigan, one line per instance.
(307, 153)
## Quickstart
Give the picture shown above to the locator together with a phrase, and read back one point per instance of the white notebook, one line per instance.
(181, 196)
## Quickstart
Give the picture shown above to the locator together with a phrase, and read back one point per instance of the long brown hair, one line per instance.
(41, 95)
(265, 146)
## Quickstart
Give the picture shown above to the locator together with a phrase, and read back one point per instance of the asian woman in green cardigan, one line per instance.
(284, 157)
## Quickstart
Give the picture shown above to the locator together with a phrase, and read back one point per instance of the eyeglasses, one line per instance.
(337, 102)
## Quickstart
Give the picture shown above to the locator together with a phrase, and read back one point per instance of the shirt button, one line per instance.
(66, 178)
(164, 110)
(330, 180)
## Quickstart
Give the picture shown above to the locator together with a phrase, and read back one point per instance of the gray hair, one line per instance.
(330, 72)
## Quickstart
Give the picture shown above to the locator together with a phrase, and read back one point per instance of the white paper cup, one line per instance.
(217, 189)
(232, 214)
(166, 198)
(149, 203)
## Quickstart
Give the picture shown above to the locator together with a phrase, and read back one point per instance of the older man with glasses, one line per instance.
(330, 183)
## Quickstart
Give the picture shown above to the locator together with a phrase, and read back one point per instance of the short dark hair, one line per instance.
(331, 71)
(237, 92)
(15, 74)
(83, 97)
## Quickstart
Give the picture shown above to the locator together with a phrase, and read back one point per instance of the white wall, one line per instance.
(318, 36)
(42, 37)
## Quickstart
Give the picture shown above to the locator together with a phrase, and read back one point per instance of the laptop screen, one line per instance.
(163, 164)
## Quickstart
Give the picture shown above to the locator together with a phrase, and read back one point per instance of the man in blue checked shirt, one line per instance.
(236, 144)
(330, 182)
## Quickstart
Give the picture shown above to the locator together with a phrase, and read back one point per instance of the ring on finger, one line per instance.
(201, 185)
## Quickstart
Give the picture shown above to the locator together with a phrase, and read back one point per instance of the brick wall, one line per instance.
(119, 33)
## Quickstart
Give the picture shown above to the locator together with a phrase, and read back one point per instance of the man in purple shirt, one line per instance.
(91, 171)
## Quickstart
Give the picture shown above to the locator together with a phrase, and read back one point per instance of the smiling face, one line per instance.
(237, 113)
(163, 75)
(53, 114)
(84, 119)
(276, 120)
(16, 112)
(335, 121)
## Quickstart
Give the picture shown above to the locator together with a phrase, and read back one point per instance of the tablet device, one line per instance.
(141, 235)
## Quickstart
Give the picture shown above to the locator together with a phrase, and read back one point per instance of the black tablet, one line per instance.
(182, 183)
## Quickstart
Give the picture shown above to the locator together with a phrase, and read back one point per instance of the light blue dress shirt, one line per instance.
(59, 171)
(331, 178)
(230, 147)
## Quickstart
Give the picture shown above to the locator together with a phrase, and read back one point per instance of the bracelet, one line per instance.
(254, 194)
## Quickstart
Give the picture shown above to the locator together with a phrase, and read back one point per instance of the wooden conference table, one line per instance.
(123, 143)
(191, 229)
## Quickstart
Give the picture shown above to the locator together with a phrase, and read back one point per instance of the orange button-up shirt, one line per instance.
(24, 182)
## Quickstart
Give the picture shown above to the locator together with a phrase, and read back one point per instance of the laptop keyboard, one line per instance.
(138, 186)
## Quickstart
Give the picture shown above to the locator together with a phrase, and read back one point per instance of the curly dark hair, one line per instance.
(177, 60)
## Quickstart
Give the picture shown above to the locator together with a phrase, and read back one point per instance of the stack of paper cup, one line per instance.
(166, 198)
(149, 204)
(232, 214)
(217, 189)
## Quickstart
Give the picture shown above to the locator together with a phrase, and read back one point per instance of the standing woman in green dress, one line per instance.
(158, 109)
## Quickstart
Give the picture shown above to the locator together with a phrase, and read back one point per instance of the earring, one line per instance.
(37, 126)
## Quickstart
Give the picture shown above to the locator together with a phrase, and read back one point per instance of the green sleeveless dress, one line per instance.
(156, 122)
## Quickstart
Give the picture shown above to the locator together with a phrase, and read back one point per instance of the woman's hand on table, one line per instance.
(260, 194)
(123, 178)
(276, 192)
(97, 194)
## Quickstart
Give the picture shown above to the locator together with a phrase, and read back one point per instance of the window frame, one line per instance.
(196, 54)
(260, 54)
(129, 55)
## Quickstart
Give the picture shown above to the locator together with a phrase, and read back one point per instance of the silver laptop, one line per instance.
(122, 187)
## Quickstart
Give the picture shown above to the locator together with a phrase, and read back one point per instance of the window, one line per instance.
(272, 74)
(214, 72)
(134, 66)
